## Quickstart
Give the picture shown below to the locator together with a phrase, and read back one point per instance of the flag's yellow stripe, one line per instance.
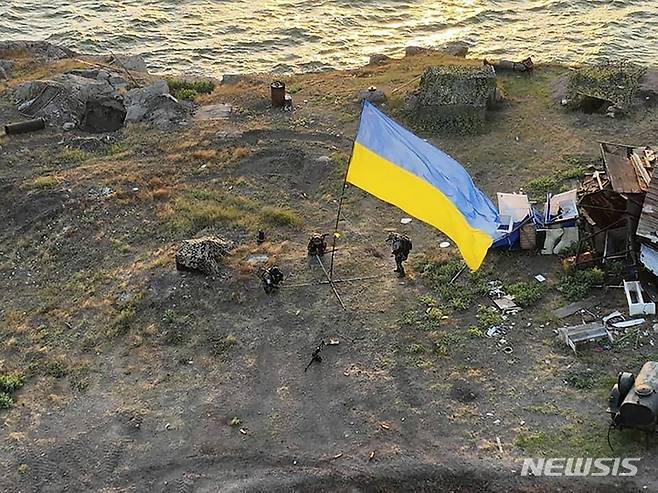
(419, 199)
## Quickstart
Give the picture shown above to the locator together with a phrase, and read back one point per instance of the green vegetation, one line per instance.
(202, 209)
(578, 284)
(488, 316)
(56, 368)
(581, 380)
(526, 293)
(542, 185)
(121, 323)
(42, 183)
(189, 90)
(9, 384)
(475, 332)
(73, 156)
(440, 271)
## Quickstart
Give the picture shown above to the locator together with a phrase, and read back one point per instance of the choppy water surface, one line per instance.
(229, 36)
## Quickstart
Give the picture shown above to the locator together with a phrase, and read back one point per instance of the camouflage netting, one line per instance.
(453, 98)
(611, 84)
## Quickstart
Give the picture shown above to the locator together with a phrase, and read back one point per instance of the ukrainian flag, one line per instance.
(398, 167)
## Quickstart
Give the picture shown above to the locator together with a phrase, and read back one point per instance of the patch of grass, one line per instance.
(578, 284)
(530, 442)
(55, 368)
(475, 332)
(189, 90)
(5, 401)
(280, 216)
(169, 316)
(416, 349)
(526, 293)
(11, 383)
(447, 342)
(488, 316)
(73, 156)
(121, 323)
(542, 185)
(581, 380)
(440, 271)
(42, 183)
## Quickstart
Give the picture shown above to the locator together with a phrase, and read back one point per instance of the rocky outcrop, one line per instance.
(154, 104)
(62, 99)
(202, 254)
(93, 100)
(41, 50)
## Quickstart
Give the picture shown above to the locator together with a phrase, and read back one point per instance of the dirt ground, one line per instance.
(142, 378)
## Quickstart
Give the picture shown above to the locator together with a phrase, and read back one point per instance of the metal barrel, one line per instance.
(278, 90)
(25, 127)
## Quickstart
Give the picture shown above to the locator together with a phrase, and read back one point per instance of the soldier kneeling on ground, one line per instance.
(317, 245)
(400, 248)
(272, 277)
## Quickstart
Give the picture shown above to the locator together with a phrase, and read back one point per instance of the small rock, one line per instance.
(379, 59)
(324, 160)
(231, 79)
(68, 126)
(415, 50)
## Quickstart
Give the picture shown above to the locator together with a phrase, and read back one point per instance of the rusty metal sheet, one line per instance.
(619, 169)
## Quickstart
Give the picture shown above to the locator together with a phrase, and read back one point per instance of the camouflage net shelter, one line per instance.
(605, 87)
(453, 98)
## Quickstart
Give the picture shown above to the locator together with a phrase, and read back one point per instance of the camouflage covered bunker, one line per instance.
(453, 98)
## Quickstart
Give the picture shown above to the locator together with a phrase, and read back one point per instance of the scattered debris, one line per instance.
(500, 445)
(540, 278)
(503, 301)
(202, 254)
(444, 244)
(260, 238)
(584, 333)
(371, 456)
(25, 127)
(315, 357)
(573, 308)
(407, 220)
(636, 303)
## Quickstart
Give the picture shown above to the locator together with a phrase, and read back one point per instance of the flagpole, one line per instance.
(342, 197)
(340, 207)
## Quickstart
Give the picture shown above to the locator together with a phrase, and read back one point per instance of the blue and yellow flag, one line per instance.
(398, 167)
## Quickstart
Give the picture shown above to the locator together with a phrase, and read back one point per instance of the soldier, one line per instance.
(400, 248)
(317, 245)
(272, 277)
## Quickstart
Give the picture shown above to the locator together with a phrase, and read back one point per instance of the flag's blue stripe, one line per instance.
(398, 145)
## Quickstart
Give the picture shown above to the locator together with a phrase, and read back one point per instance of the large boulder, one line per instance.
(64, 98)
(154, 104)
(202, 254)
